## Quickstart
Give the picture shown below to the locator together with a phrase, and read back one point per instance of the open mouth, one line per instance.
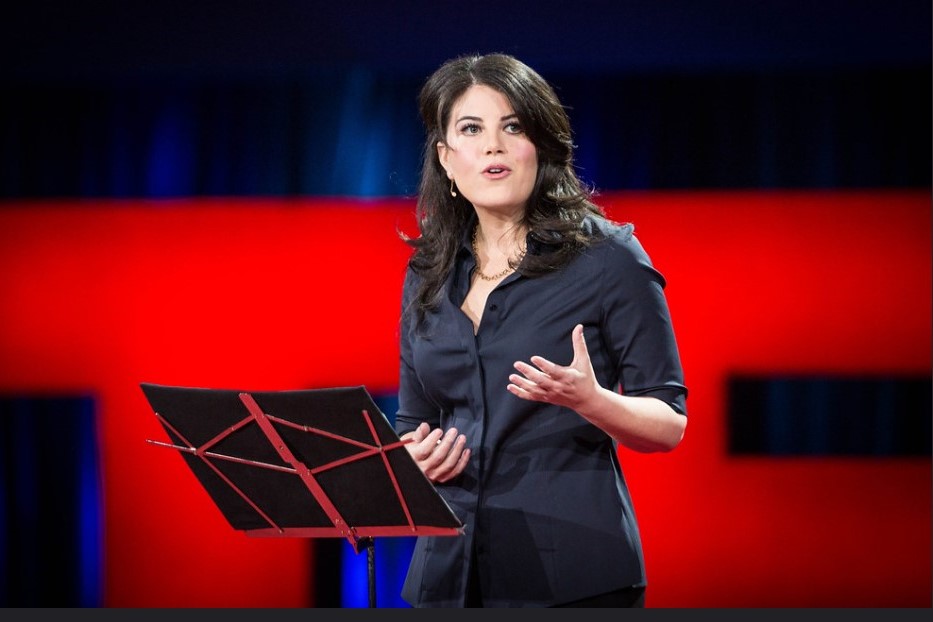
(496, 170)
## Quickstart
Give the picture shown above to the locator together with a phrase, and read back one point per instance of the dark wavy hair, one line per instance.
(559, 201)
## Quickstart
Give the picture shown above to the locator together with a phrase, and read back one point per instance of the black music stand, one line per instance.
(316, 463)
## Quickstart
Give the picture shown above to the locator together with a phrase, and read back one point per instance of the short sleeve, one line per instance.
(636, 323)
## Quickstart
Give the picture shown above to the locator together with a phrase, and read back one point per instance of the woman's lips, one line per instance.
(496, 171)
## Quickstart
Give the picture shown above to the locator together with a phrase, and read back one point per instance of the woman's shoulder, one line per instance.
(620, 256)
(610, 235)
(411, 280)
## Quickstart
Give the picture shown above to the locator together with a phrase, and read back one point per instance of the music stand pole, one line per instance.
(370, 545)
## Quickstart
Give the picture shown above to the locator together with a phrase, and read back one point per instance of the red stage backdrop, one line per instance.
(261, 294)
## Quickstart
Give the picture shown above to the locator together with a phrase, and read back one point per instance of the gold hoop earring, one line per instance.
(452, 192)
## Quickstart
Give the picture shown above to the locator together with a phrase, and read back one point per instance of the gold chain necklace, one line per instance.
(479, 271)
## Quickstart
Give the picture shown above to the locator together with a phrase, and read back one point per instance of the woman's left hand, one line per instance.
(641, 423)
(544, 381)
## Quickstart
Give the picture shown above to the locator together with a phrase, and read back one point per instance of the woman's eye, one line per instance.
(470, 128)
(513, 128)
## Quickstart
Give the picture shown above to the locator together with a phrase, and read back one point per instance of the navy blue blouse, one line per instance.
(544, 502)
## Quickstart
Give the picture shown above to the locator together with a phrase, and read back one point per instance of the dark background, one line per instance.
(318, 99)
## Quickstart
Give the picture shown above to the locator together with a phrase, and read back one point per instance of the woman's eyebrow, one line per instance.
(472, 118)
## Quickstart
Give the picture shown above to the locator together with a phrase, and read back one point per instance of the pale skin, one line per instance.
(494, 165)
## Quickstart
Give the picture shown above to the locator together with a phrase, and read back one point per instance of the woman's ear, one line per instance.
(442, 150)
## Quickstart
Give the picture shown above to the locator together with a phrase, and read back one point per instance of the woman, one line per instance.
(535, 338)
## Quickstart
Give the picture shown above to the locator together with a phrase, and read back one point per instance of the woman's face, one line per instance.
(488, 155)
